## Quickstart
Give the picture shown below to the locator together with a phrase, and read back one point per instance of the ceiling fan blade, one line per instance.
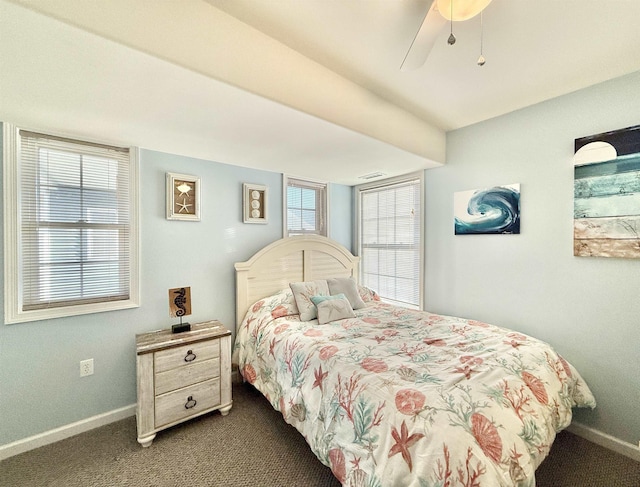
(424, 39)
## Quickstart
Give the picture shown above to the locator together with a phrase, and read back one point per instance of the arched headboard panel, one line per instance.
(291, 259)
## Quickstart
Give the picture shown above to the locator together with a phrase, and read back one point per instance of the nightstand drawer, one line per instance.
(186, 355)
(193, 373)
(188, 401)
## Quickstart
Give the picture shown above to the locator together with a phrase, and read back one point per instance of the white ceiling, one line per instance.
(306, 87)
(535, 49)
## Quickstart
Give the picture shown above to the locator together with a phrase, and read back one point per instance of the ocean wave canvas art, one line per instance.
(607, 194)
(493, 210)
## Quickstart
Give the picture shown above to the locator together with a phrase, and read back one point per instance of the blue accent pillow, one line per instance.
(319, 299)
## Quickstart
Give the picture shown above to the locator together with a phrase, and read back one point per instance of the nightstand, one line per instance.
(181, 376)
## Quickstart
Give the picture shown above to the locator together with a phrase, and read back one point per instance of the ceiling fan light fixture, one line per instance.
(461, 9)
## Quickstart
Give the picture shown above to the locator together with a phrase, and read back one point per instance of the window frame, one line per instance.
(323, 215)
(381, 184)
(13, 272)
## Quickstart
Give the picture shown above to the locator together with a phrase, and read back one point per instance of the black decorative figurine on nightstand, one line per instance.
(179, 306)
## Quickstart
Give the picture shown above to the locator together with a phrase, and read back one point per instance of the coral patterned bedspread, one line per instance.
(396, 397)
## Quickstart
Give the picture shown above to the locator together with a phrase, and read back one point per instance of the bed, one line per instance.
(390, 396)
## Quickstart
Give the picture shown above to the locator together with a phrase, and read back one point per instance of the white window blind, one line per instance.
(390, 241)
(76, 237)
(306, 207)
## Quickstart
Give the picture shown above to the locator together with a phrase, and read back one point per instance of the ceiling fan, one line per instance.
(440, 12)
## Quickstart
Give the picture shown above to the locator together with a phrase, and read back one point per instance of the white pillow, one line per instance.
(348, 287)
(334, 309)
(302, 292)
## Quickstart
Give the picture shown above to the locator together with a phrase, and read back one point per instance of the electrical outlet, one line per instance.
(86, 367)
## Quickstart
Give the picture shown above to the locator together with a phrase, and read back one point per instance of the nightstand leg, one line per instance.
(225, 410)
(146, 441)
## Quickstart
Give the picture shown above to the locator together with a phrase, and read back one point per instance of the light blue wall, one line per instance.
(588, 308)
(40, 386)
(341, 214)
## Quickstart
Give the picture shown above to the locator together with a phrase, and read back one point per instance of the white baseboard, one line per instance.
(66, 431)
(607, 441)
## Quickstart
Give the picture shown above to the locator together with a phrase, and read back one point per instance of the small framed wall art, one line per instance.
(254, 203)
(183, 197)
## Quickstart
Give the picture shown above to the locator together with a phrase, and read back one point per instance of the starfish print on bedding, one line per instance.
(388, 383)
(404, 442)
(320, 377)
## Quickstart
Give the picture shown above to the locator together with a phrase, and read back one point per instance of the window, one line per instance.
(70, 226)
(390, 239)
(306, 207)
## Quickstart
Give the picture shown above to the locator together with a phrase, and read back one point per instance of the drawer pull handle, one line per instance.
(191, 403)
(190, 357)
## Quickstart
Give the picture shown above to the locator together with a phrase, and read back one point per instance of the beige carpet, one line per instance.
(252, 446)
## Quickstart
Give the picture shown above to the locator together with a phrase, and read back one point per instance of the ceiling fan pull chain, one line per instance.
(452, 39)
(481, 59)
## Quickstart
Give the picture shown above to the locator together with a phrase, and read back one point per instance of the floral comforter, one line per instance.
(396, 397)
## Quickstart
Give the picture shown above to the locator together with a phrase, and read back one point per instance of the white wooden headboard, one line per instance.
(291, 259)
